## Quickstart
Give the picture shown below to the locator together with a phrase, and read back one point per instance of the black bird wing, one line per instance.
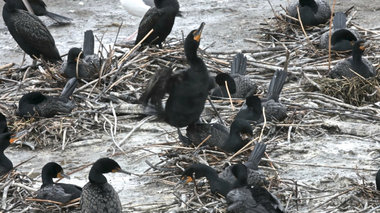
(197, 132)
(35, 34)
(148, 22)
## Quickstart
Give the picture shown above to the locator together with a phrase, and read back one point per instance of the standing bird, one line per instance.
(159, 18)
(228, 141)
(137, 7)
(274, 110)
(239, 85)
(39, 9)
(232, 176)
(30, 33)
(188, 89)
(37, 104)
(251, 199)
(342, 38)
(355, 63)
(59, 192)
(5, 140)
(312, 12)
(98, 195)
(88, 64)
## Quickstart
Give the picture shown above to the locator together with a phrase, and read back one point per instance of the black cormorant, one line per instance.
(37, 104)
(251, 198)
(341, 36)
(239, 85)
(378, 180)
(5, 140)
(312, 12)
(274, 110)
(98, 195)
(159, 18)
(59, 192)
(355, 63)
(88, 64)
(228, 141)
(30, 33)
(232, 176)
(39, 9)
(188, 89)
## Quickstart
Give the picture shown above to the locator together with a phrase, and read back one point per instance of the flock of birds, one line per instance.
(188, 90)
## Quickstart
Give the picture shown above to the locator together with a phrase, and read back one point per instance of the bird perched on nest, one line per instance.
(39, 9)
(137, 7)
(231, 177)
(86, 61)
(59, 192)
(37, 104)
(312, 12)
(239, 85)
(159, 18)
(355, 63)
(228, 141)
(98, 195)
(5, 140)
(188, 89)
(274, 110)
(30, 33)
(251, 199)
(342, 38)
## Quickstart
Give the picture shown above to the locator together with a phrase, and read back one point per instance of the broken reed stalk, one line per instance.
(229, 96)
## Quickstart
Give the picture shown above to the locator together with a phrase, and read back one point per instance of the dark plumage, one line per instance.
(342, 38)
(233, 176)
(159, 18)
(253, 199)
(312, 12)
(89, 63)
(39, 9)
(239, 85)
(187, 89)
(5, 140)
(37, 104)
(229, 141)
(378, 180)
(356, 63)
(30, 33)
(274, 110)
(97, 194)
(59, 192)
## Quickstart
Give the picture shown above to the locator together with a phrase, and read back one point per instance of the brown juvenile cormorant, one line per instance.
(228, 141)
(30, 33)
(355, 63)
(39, 9)
(312, 12)
(59, 192)
(98, 195)
(231, 177)
(37, 104)
(274, 110)
(250, 198)
(187, 89)
(342, 38)
(159, 18)
(239, 85)
(5, 140)
(89, 63)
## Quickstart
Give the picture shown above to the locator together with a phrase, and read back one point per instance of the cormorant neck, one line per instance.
(47, 178)
(97, 177)
(357, 55)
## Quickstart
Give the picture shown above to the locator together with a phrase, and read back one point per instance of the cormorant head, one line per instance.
(197, 170)
(254, 102)
(32, 98)
(221, 80)
(308, 3)
(5, 140)
(74, 53)
(242, 127)
(53, 170)
(167, 3)
(104, 165)
(359, 46)
(240, 171)
(193, 39)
